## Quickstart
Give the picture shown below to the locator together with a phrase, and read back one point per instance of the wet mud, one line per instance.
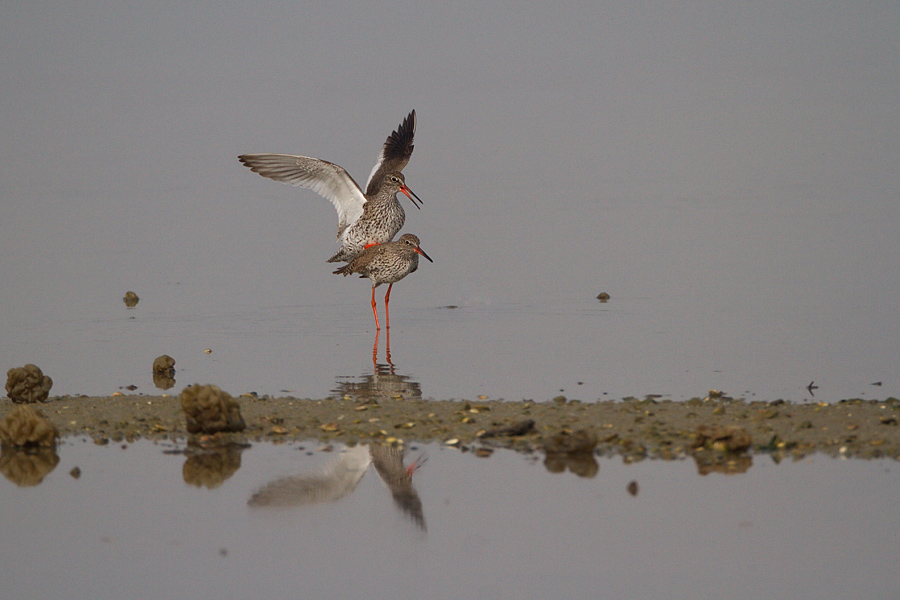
(716, 432)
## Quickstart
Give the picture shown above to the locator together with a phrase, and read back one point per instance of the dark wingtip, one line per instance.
(400, 143)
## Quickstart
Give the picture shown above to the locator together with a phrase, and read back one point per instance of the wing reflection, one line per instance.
(336, 480)
(341, 476)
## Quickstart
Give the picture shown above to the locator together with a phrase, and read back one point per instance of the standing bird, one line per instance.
(364, 219)
(386, 263)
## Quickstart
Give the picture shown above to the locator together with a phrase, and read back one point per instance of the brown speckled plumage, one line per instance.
(386, 263)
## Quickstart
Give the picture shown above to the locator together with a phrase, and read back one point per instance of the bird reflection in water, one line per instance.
(382, 384)
(340, 477)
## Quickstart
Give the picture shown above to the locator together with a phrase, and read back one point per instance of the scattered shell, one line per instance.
(451, 442)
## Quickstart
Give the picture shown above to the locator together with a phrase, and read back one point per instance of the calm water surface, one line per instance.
(727, 174)
(142, 522)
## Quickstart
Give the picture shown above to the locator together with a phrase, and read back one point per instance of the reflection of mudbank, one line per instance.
(211, 468)
(340, 477)
(383, 383)
(717, 462)
(574, 451)
(27, 466)
(582, 465)
(719, 449)
(163, 381)
(27, 446)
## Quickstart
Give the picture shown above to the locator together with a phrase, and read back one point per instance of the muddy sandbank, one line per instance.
(635, 429)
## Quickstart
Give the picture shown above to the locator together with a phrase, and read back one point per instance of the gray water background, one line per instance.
(727, 173)
(132, 526)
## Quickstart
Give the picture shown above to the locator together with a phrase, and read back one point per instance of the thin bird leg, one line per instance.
(387, 298)
(374, 312)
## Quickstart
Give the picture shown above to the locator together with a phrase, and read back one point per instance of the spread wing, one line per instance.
(326, 179)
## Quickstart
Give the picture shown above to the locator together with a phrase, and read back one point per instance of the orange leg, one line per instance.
(387, 298)
(374, 312)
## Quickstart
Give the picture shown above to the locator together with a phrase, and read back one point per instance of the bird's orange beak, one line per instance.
(411, 195)
(422, 252)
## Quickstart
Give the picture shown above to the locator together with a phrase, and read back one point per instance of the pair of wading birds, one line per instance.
(367, 222)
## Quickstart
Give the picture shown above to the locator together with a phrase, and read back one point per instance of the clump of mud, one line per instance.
(27, 384)
(131, 299)
(210, 410)
(25, 426)
(164, 372)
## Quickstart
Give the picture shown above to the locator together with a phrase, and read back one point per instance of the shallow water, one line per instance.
(727, 174)
(143, 522)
